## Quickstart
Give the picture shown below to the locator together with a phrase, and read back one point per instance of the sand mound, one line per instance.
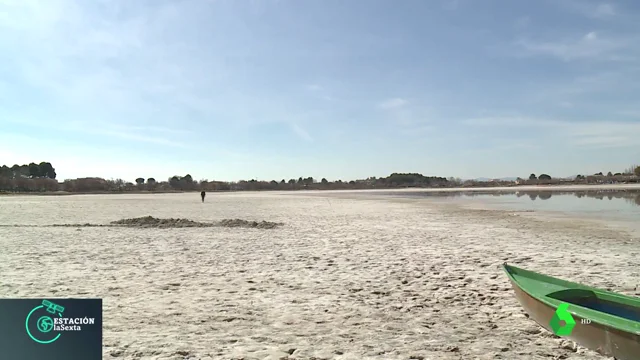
(249, 224)
(152, 222)
(157, 223)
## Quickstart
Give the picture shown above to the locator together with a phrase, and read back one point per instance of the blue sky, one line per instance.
(276, 89)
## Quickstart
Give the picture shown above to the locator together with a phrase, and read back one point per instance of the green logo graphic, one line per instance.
(52, 308)
(562, 322)
(45, 323)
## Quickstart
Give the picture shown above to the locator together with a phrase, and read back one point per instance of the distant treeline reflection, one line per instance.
(632, 196)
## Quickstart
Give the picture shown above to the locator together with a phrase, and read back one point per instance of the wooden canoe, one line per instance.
(605, 322)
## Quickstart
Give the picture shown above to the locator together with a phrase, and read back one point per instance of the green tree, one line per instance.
(174, 182)
(324, 181)
(636, 171)
(6, 172)
(188, 179)
(140, 181)
(34, 170)
(544, 177)
(24, 171)
(609, 174)
(47, 170)
(151, 181)
(532, 177)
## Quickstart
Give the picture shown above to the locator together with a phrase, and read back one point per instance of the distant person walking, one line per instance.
(202, 195)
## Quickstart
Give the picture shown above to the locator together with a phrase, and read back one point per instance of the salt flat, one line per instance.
(346, 277)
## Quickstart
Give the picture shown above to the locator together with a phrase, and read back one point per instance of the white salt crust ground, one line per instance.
(346, 277)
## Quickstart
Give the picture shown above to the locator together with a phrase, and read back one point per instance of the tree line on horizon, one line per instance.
(31, 170)
(42, 178)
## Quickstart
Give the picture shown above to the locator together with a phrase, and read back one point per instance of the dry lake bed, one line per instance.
(346, 275)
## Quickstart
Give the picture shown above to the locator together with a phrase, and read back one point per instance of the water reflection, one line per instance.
(631, 196)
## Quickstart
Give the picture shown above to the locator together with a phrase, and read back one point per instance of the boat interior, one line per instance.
(592, 300)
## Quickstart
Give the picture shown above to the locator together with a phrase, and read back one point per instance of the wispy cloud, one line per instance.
(630, 113)
(151, 129)
(320, 92)
(575, 92)
(596, 134)
(417, 130)
(566, 104)
(603, 10)
(393, 103)
(139, 134)
(109, 57)
(497, 145)
(589, 46)
(410, 118)
(301, 132)
(136, 137)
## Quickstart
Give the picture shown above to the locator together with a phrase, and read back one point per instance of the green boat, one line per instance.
(605, 322)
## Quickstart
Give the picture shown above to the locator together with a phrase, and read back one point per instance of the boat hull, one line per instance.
(604, 340)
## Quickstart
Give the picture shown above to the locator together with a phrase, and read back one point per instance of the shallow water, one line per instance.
(618, 208)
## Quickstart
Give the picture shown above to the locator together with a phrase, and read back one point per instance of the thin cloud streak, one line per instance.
(393, 103)
(589, 46)
(139, 134)
(601, 11)
(630, 113)
(302, 133)
(135, 137)
(595, 134)
(152, 128)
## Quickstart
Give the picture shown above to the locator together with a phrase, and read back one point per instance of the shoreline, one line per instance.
(303, 191)
(503, 188)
